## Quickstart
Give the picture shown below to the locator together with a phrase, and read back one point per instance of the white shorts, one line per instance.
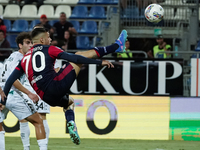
(19, 106)
(42, 107)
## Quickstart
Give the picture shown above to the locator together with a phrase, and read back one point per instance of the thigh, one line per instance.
(20, 107)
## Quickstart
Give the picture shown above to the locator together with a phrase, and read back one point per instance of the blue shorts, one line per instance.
(56, 93)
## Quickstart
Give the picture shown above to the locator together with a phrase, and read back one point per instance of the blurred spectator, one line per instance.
(39, 2)
(3, 42)
(161, 47)
(125, 55)
(2, 26)
(61, 26)
(45, 23)
(69, 41)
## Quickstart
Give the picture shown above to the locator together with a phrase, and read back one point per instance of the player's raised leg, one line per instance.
(98, 52)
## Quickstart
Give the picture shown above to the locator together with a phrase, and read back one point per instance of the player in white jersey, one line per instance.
(23, 108)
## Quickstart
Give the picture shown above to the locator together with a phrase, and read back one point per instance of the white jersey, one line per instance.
(16, 103)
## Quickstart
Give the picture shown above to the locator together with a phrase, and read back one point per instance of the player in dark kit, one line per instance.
(52, 87)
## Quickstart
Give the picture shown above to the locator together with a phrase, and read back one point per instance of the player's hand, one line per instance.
(107, 63)
(2, 106)
(2, 95)
(33, 97)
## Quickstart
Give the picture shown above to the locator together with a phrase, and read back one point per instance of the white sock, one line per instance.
(46, 127)
(42, 144)
(2, 140)
(25, 133)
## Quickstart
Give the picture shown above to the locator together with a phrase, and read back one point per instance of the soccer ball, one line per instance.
(154, 13)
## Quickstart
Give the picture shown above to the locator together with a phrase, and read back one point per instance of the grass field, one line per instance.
(14, 143)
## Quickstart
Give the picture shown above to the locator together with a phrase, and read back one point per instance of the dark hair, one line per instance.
(20, 38)
(2, 22)
(2, 31)
(37, 31)
(62, 13)
(70, 36)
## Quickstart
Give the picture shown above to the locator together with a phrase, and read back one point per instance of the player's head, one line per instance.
(24, 41)
(63, 17)
(40, 36)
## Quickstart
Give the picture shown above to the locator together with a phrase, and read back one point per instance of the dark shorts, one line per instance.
(56, 93)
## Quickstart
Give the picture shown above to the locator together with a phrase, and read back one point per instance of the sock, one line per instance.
(25, 133)
(46, 127)
(42, 144)
(101, 51)
(69, 115)
(2, 140)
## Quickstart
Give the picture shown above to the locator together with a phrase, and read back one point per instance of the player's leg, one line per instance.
(37, 121)
(3, 115)
(43, 109)
(46, 126)
(97, 52)
(70, 117)
(25, 133)
(2, 134)
(25, 109)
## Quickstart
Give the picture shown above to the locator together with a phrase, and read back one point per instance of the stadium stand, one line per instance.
(48, 10)
(97, 12)
(76, 25)
(33, 23)
(7, 24)
(11, 39)
(69, 1)
(11, 11)
(105, 2)
(1, 10)
(89, 27)
(82, 42)
(20, 26)
(86, 1)
(62, 8)
(28, 11)
(51, 22)
(52, 2)
(79, 12)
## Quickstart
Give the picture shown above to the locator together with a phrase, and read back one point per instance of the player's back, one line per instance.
(38, 65)
(9, 65)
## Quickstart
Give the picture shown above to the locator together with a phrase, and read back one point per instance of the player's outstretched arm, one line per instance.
(20, 87)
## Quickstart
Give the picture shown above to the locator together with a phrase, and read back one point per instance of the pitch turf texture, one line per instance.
(14, 143)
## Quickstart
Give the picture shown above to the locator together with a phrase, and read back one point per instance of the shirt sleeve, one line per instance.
(16, 74)
(78, 59)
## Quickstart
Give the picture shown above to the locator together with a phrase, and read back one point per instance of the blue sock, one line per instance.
(69, 115)
(101, 51)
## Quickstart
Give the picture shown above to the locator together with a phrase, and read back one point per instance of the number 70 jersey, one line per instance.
(38, 64)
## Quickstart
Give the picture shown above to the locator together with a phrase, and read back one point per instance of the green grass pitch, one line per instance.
(14, 143)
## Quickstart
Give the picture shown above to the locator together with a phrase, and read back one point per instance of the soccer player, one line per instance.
(52, 87)
(26, 107)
